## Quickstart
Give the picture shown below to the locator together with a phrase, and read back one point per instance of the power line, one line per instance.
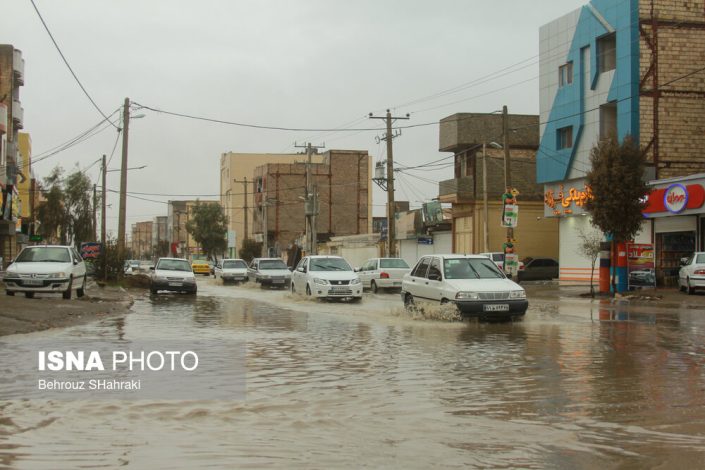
(67, 63)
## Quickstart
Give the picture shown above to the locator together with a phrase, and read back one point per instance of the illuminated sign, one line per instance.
(675, 199)
(565, 202)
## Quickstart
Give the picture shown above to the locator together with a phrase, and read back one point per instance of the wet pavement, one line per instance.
(577, 384)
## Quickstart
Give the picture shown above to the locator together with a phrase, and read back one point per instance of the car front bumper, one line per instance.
(47, 285)
(234, 277)
(274, 282)
(493, 309)
(388, 283)
(336, 292)
(174, 286)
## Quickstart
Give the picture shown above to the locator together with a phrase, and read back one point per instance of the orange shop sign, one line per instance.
(560, 201)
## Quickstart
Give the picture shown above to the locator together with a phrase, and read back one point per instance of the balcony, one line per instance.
(18, 67)
(456, 190)
(17, 115)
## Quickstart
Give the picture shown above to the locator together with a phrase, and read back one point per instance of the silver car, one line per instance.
(271, 272)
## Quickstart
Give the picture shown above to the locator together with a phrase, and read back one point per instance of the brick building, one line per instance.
(181, 243)
(11, 121)
(141, 240)
(342, 179)
(615, 68)
(464, 135)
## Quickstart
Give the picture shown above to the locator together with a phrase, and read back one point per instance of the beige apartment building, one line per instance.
(141, 240)
(181, 243)
(237, 189)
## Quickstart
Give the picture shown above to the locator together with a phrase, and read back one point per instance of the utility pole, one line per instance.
(485, 231)
(391, 209)
(265, 229)
(310, 201)
(123, 180)
(103, 235)
(244, 236)
(95, 210)
(505, 144)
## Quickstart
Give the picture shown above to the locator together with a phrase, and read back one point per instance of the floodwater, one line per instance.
(576, 384)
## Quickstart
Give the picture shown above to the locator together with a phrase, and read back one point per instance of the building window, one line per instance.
(607, 53)
(608, 121)
(565, 74)
(565, 137)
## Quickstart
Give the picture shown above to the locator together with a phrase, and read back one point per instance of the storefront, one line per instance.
(676, 210)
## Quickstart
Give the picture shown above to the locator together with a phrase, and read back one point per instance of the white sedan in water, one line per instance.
(326, 277)
(382, 273)
(173, 274)
(231, 270)
(691, 275)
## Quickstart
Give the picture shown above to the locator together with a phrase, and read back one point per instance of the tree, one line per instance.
(66, 214)
(51, 214)
(208, 225)
(618, 189)
(589, 247)
(250, 249)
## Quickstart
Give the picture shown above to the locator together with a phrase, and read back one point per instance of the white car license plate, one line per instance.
(33, 282)
(278, 281)
(497, 308)
(176, 284)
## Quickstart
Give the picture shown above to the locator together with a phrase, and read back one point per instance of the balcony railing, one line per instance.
(17, 114)
(456, 189)
(18, 66)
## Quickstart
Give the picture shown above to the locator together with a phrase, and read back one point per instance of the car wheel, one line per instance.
(10, 293)
(82, 290)
(409, 303)
(29, 295)
(373, 286)
(67, 293)
(308, 290)
(356, 300)
(689, 290)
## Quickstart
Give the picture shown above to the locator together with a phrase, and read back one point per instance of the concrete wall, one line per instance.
(410, 250)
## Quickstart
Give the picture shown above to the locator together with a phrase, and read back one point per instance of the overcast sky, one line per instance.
(285, 63)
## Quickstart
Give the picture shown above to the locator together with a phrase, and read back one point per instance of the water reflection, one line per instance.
(576, 385)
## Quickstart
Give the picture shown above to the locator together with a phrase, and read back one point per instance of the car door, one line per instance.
(298, 277)
(434, 280)
(79, 267)
(364, 273)
(417, 279)
(372, 271)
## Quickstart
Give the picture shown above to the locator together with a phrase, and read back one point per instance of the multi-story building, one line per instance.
(160, 239)
(342, 180)
(617, 68)
(11, 117)
(141, 240)
(181, 243)
(237, 190)
(25, 188)
(476, 141)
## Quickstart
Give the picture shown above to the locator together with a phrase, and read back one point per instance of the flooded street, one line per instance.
(335, 385)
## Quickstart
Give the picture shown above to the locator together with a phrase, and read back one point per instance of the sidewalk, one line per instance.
(21, 315)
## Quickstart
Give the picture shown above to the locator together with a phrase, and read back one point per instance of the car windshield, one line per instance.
(234, 265)
(470, 268)
(47, 254)
(272, 264)
(329, 264)
(173, 265)
(393, 263)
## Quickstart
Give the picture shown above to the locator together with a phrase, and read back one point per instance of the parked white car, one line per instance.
(326, 277)
(173, 274)
(47, 268)
(382, 273)
(691, 275)
(472, 282)
(231, 270)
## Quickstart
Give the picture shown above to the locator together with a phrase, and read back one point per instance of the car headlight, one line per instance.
(355, 281)
(517, 294)
(322, 282)
(264, 276)
(58, 275)
(160, 278)
(467, 296)
(190, 279)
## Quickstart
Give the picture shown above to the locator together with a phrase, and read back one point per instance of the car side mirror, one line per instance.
(75, 262)
(151, 268)
(357, 269)
(684, 261)
(290, 268)
(434, 277)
